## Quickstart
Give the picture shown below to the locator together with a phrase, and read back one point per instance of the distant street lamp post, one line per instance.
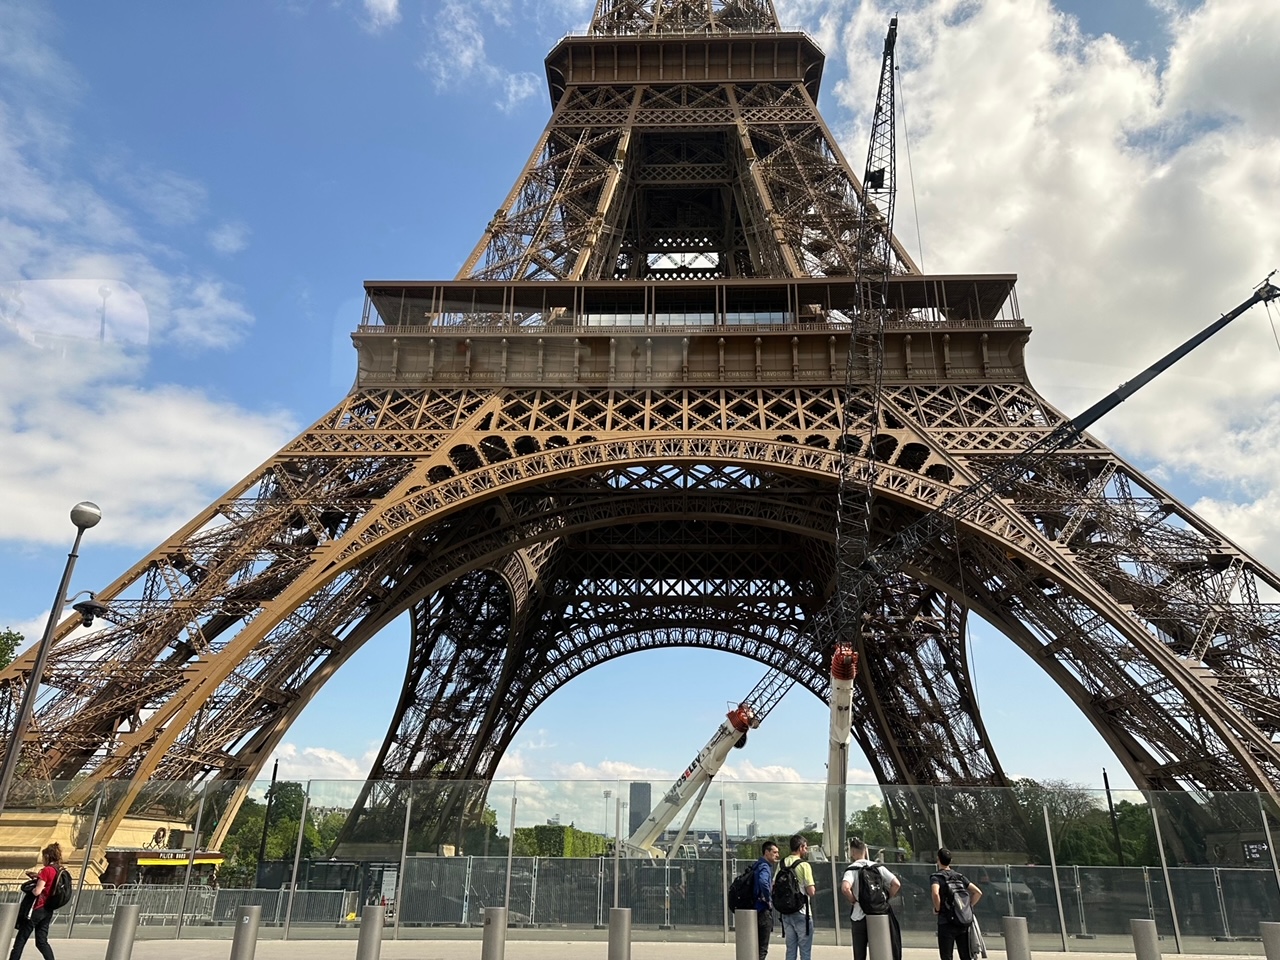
(607, 795)
(754, 822)
(103, 291)
(737, 816)
(83, 515)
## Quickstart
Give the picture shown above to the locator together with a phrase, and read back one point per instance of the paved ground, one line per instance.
(439, 948)
(458, 950)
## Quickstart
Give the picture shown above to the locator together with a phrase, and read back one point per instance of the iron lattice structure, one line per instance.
(620, 428)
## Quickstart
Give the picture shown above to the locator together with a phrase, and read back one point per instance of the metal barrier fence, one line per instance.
(1217, 904)
(159, 905)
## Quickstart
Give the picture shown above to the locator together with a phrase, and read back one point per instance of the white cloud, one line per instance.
(457, 53)
(229, 238)
(380, 14)
(517, 88)
(167, 197)
(75, 424)
(320, 763)
(1224, 62)
(1136, 202)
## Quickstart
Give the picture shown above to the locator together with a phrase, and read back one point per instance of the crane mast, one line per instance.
(856, 492)
(855, 499)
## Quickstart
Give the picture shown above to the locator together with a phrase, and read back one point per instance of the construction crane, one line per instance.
(865, 365)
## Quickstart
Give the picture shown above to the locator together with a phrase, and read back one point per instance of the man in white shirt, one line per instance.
(859, 895)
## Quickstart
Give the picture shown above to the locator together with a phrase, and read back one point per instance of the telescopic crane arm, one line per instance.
(697, 777)
(891, 555)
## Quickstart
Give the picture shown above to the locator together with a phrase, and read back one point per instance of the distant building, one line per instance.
(641, 802)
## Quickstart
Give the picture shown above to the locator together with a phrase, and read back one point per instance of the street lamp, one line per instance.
(607, 795)
(103, 291)
(83, 515)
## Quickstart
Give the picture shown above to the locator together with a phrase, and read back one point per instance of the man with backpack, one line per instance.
(762, 893)
(868, 887)
(793, 888)
(954, 898)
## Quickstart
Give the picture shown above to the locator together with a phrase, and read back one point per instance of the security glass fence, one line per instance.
(1077, 864)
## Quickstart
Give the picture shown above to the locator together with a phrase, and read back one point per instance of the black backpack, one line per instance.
(60, 895)
(958, 898)
(787, 896)
(742, 892)
(872, 896)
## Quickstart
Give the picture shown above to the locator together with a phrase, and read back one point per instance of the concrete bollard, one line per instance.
(1146, 941)
(370, 943)
(619, 933)
(245, 940)
(123, 926)
(8, 917)
(1270, 939)
(494, 945)
(746, 938)
(1017, 944)
(879, 937)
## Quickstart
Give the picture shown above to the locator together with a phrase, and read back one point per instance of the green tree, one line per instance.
(285, 799)
(329, 827)
(872, 825)
(240, 848)
(1081, 825)
(10, 642)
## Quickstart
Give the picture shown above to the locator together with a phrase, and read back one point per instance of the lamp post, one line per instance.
(83, 515)
(737, 816)
(607, 795)
(755, 824)
(103, 291)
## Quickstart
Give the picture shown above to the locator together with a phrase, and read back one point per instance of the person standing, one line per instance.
(34, 914)
(763, 893)
(950, 889)
(873, 891)
(797, 927)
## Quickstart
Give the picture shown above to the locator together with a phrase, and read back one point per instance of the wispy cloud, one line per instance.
(380, 14)
(167, 197)
(229, 238)
(457, 54)
(321, 763)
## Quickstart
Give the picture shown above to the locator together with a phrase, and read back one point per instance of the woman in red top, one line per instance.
(33, 915)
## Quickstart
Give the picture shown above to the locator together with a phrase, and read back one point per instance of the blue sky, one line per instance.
(231, 173)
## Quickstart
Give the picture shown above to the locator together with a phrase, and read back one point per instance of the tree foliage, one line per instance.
(244, 839)
(1081, 825)
(11, 642)
(556, 840)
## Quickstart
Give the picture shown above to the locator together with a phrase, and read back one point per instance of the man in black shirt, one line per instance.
(952, 931)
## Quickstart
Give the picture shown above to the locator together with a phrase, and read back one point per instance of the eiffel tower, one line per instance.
(616, 430)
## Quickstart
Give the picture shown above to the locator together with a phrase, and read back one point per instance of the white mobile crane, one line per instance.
(692, 785)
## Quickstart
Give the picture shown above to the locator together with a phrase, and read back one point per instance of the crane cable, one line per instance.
(911, 173)
(1272, 321)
